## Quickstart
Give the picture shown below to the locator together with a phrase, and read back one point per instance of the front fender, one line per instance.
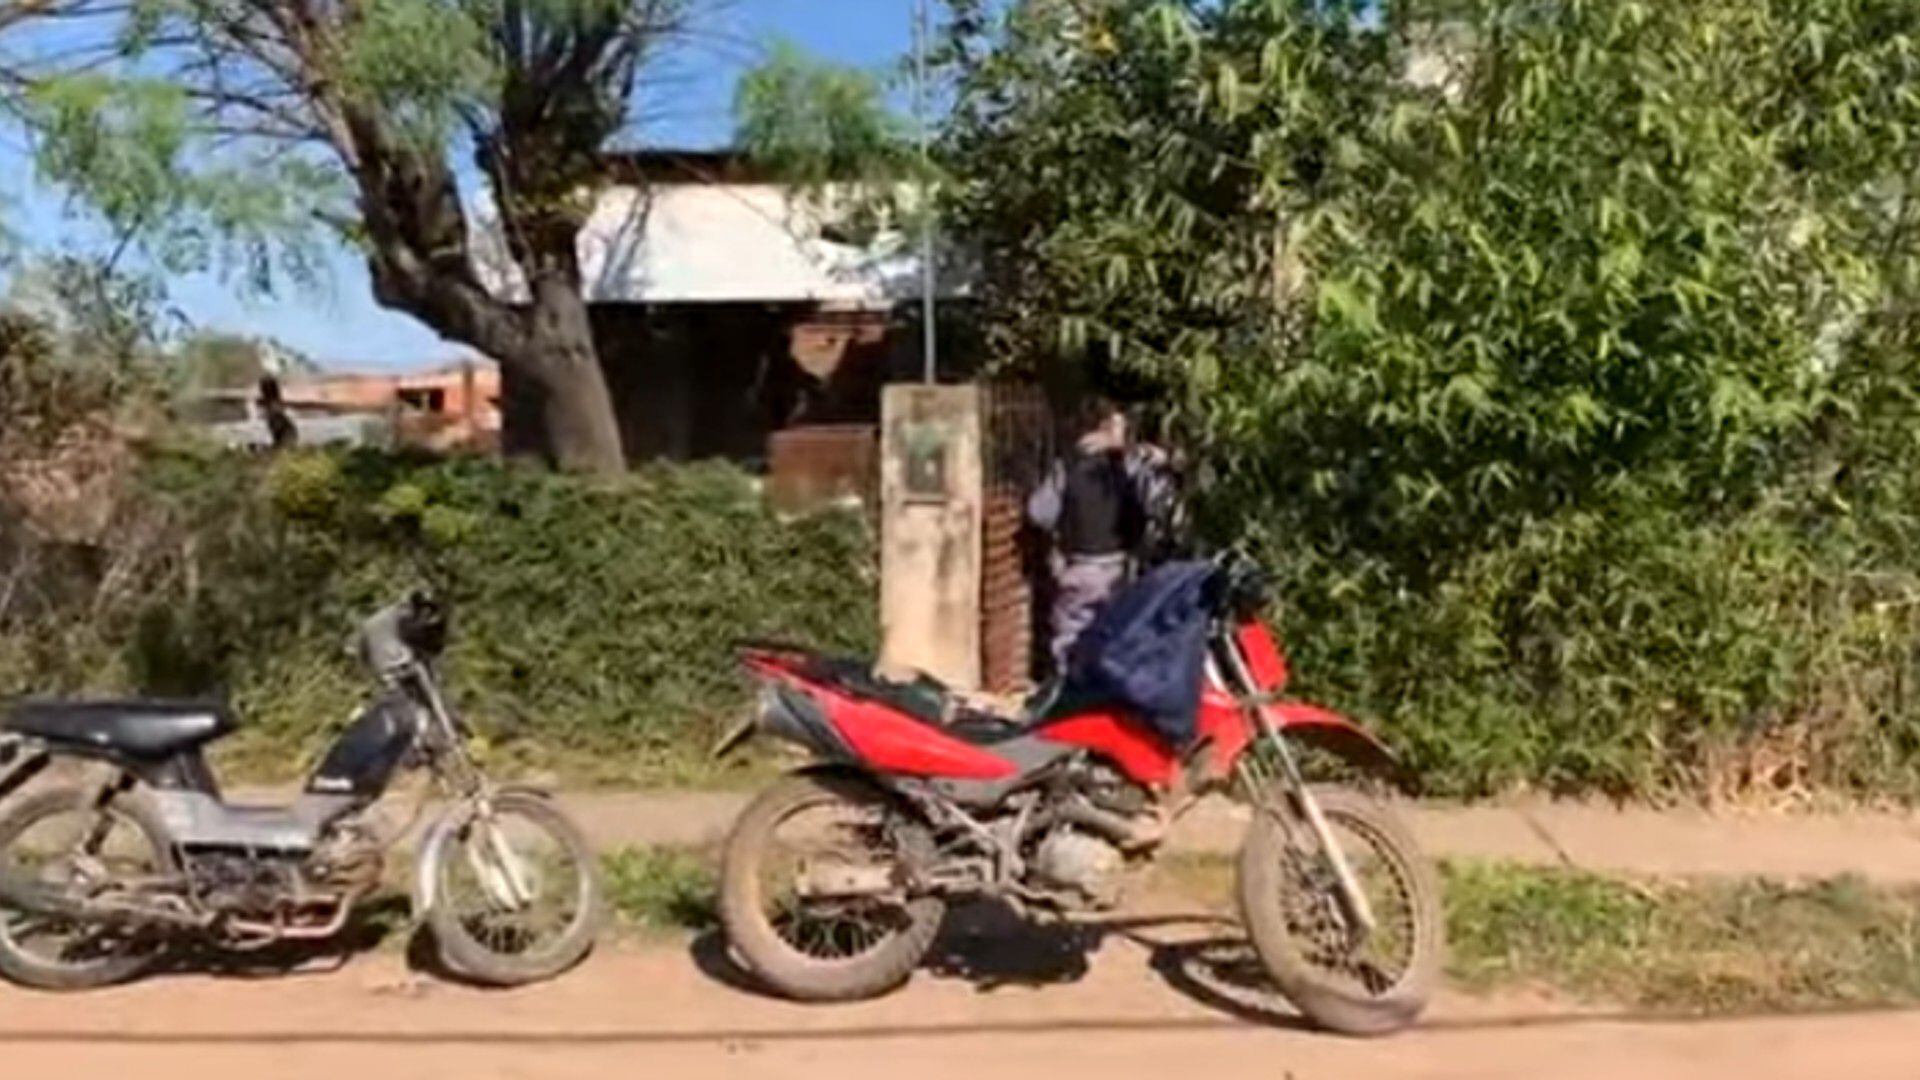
(1327, 730)
(426, 860)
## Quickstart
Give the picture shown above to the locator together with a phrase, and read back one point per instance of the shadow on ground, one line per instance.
(1203, 957)
(380, 922)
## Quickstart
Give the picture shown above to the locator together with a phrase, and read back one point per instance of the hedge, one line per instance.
(592, 620)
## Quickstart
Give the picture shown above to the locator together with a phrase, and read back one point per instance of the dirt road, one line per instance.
(1149, 1006)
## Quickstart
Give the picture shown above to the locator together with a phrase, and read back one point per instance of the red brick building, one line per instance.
(451, 406)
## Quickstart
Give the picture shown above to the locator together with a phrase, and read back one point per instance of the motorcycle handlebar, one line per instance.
(1241, 586)
(398, 634)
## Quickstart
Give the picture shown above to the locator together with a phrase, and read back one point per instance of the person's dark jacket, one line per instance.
(1103, 502)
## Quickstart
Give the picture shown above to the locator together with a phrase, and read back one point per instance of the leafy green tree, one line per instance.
(827, 132)
(1555, 351)
(1561, 356)
(815, 122)
(1492, 201)
(229, 119)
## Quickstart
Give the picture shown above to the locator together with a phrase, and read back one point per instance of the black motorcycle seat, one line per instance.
(1050, 701)
(139, 729)
(931, 702)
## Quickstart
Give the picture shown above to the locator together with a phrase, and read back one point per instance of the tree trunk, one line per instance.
(557, 407)
(421, 259)
(559, 369)
(523, 423)
(581, 428)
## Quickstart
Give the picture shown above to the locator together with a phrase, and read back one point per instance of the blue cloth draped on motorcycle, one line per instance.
(1147, 649)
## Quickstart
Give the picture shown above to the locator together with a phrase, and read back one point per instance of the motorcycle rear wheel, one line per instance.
(1289, 903)
(810, 949)
(83, 955)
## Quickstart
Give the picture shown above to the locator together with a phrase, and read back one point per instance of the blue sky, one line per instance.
(688, 104)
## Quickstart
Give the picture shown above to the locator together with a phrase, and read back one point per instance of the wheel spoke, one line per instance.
(1317, 921)
(477, 882)
(81, 851)
(828, 928)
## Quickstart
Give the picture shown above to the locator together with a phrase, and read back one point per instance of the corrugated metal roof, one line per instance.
(693, 243)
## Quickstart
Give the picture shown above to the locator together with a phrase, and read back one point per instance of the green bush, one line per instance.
(1558, 356)
(1627, 651)
(592, 621)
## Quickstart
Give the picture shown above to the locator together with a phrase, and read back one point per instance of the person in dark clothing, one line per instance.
(280, 426)
(1094, 504)
(1160, 478)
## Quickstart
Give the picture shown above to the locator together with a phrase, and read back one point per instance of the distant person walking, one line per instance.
(1096, 504)
(280, 426)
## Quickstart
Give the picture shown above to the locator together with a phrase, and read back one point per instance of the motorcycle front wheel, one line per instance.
(814, 944)
(517, 895)
(1344, 978)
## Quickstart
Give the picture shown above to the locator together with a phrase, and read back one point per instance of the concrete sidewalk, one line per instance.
(1878, 846)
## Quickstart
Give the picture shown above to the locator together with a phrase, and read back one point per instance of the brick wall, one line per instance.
(1018, 444)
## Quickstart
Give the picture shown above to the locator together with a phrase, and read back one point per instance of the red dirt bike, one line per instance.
(836, 878)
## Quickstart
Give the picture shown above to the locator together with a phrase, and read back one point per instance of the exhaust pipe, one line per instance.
(39, 898)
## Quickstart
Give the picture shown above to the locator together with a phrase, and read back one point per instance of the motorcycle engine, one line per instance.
(1070, 859)
(237, 881)
(349, 858)
(1107, 789)
(346, 861)
(1077, 856)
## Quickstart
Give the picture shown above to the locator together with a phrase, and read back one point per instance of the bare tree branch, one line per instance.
(284, 77)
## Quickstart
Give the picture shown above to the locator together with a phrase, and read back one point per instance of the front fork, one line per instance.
(1353, 899)
(500, 870)
(502, 873)
(1259, 787)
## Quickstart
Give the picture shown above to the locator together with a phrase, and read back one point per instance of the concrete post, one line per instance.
(930, 519)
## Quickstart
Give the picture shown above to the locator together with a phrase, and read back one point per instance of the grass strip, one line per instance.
(1697, 946)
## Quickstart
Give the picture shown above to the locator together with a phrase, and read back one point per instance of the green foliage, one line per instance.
(661, 888)
(1558, 357)
(422, 62)
(813, 122)
(592, 623)
(39, 393)
(78, 342)
(131, 149)
(244, 139)
(827, 132)
(1631, 650)
(121, 139)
